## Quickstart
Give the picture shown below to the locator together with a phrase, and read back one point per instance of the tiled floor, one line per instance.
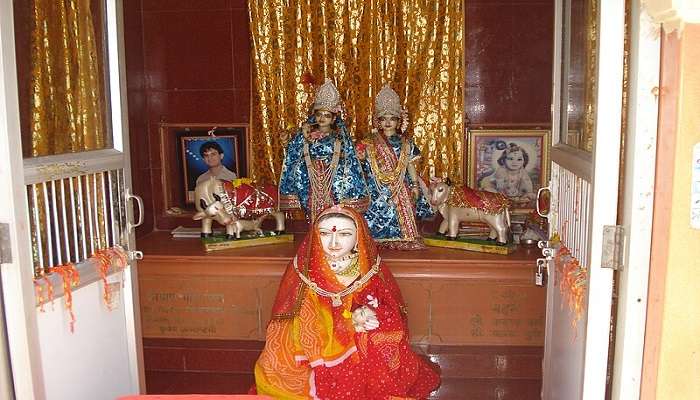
(468, 372)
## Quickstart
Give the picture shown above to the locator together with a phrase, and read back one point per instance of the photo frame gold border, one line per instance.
(166, 158)
(546, 135)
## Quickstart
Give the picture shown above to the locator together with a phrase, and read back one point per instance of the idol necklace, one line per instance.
(336, 297)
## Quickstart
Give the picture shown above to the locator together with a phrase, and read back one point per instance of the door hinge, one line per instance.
(613, 247)
(5, 245)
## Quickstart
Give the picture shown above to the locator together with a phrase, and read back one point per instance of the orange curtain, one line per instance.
(67, 95)
(415, 45)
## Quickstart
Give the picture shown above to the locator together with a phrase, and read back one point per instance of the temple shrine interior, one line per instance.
(475, 87)
(189, 68)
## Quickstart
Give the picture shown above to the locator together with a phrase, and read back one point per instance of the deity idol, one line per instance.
(320, 167)
(398, 195)
(339, 328)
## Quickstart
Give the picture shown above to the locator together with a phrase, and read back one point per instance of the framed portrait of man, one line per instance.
(512, 162)
(209, 157)
(197, 151)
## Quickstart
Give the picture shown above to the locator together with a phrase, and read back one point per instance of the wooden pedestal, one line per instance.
(453, 297)
(477, 315)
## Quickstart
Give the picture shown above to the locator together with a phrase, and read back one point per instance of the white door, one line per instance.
(587, 114)
(61, 209)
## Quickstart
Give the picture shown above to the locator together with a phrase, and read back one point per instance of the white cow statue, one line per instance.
(237, 206)
(466, 205)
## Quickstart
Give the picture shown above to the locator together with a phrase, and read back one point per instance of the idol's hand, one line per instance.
(305, 128)
(364, 319)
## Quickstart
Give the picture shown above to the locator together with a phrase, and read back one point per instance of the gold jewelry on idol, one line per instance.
(394, 178)
(321, 179)
(352, 270)
(336, 297)
(341, 259)
(327, 97)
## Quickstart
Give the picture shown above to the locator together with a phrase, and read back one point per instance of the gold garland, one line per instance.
(321, 181)
(336, 297)
(351, 270)
(392, 176)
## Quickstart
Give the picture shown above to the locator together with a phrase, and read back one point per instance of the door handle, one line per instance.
(129, 196)
(541, 198)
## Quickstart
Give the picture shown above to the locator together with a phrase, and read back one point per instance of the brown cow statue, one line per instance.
(237, 206)
(466, 205)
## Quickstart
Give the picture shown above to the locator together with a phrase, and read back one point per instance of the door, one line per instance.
(62, 209)
(586, 128)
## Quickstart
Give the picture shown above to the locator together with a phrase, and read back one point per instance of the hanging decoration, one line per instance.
(71, 277)
(573, 279)
(104, 259)
(39, 288)
(114, 257)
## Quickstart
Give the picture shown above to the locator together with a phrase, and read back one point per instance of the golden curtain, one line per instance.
(415, 45)
(67, 101)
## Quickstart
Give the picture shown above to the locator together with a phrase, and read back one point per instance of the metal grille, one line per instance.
(72, 217)
(572, 204)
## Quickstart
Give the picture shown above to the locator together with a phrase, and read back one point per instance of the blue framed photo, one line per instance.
(218, 153)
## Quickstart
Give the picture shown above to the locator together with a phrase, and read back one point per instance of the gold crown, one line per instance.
(387, 102)
(327, 97)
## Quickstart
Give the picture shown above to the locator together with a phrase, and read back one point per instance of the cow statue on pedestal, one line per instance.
(238, 205)
(466, 205)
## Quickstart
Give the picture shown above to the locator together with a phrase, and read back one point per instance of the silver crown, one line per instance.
(387, 102)
(327, 97)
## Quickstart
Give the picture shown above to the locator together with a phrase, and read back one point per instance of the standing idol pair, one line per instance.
(376, 177)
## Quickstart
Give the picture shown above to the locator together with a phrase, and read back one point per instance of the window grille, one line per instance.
(72, 217)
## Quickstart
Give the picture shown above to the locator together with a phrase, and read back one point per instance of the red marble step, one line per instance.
(174, 382)
(171, 382)
(488, 389)
(238, 357)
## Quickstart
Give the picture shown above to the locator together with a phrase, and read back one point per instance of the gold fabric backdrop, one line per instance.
(415, 45)
(67, 100)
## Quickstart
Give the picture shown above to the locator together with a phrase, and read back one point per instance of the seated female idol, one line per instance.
(320, 167)
(338, 328)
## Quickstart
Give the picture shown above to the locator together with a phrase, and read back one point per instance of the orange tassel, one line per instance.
(71, 277)
(573, 280)
(39, 290)
(104, 259)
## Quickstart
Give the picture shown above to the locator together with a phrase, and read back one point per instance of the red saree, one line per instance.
(312, 350)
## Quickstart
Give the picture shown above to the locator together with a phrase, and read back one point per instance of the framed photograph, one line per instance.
(192, 152)
(512, 162)
(204, 157)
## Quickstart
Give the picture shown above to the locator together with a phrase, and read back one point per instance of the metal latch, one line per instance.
(613, 247)
(542, 270)
(5, 245)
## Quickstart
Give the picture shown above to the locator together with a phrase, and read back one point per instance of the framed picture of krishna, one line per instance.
(512, 162)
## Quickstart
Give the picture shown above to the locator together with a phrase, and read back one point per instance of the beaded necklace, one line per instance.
(321, 178)
(393, 178)
(336, 297)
